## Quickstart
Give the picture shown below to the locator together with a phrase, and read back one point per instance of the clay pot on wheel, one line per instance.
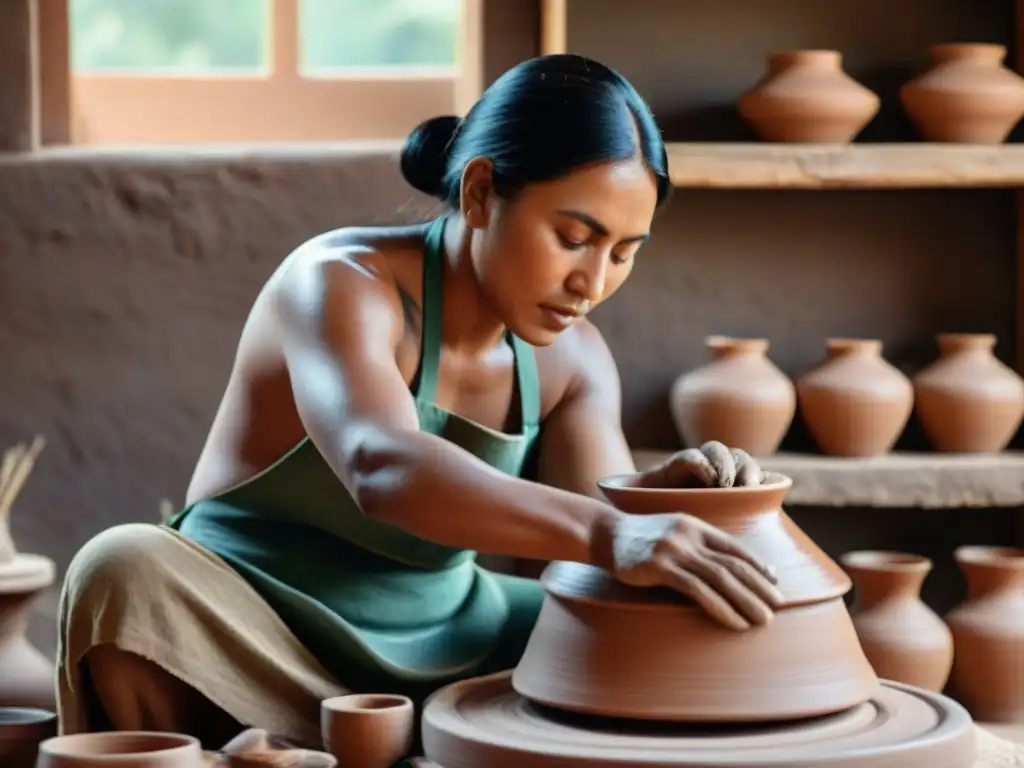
(125, 749)
(21, 731)
(967, 96)
(988, 632)
(903, 638)
(968, 401)
(807, 97)
(854, 403)
(740, 398)
(600, 647)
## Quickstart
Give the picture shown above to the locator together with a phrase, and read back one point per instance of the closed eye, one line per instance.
(572, 245)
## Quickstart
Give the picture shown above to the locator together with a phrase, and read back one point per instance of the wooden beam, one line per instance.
(19, 76)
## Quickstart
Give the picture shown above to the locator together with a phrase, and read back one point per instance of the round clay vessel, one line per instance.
(988, 633)
(903, 638)
(367, 730)
(124, 749)
(740, 398)
(603, 648)
(968, 401)
(967, 95)
(854, 403)
(21, 730)
(805, 96)
(26, 675)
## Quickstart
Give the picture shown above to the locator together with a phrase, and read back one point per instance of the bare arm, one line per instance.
(582, 440)
(341, 318)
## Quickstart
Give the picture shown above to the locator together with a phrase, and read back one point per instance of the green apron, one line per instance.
(381, 609)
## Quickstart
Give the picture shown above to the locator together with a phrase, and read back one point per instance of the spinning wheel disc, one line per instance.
(484, 723)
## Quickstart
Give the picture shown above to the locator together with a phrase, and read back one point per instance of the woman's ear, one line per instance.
(477, 186)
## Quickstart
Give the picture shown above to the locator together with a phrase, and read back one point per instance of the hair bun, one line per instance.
(424, 161)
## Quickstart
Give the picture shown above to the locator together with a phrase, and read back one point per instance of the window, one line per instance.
(183, 71)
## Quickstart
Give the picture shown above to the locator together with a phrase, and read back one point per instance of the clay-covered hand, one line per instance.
(694, 558)
(713, 465)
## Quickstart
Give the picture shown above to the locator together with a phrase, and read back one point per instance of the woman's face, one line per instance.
(555, 251)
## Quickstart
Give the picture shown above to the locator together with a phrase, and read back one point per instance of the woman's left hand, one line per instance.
(713, 465)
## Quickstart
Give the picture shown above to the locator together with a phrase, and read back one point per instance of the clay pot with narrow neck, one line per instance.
(805, 96)
(903, 638)
(854, 403)
(988, 633)
(967, 95)
(26, 675)
(968, 401)
(739, 398)
(601, 647)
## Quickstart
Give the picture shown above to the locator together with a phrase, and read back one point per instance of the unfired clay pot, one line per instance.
(967, 95)
(805, 96)
(601, 647)
(903, 638)
(988, 632)
(26, 676)
(968, 401)
(854, 403)
(21, 731)
(124, 749)
(739, 398)
(367, 730)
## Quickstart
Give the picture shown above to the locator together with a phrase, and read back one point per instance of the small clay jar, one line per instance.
(967, 401)
(367, 730)
(988, 632)
(903, 638)
(854, 403)
(21, 731)
(740, 398)
(125, 749)
(805, 96)
(966, 96)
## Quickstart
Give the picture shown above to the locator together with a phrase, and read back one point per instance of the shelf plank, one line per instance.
(844, 166)
(896, 480)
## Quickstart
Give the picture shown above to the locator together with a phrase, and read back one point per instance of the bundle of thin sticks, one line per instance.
(15, 468)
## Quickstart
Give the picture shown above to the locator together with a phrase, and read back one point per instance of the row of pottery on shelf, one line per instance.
(358, 731)
(977, 648)
(854, 403)
(967, 96)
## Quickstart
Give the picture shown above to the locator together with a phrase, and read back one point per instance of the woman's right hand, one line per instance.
(686, 554)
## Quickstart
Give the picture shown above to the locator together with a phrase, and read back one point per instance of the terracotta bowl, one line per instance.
(21, 730)
(603, 648)
(125, 749)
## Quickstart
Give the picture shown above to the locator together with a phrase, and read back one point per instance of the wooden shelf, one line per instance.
(845, 166)
(903, 480)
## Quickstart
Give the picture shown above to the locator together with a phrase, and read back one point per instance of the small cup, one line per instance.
(367, 730)
(21, 731)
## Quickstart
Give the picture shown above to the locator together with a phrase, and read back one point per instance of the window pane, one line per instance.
(168, 35)
(342, 34)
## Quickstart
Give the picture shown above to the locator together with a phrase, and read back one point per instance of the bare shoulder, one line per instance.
(578, 364)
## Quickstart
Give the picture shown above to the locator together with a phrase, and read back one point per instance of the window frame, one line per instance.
(282, 104)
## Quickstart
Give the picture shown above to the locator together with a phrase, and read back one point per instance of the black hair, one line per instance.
(540, 120)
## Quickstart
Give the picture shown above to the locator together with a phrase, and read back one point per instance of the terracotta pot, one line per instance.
(805, 96)
(603, 648)
(368, 730)
(21, 730)
(903, 638)
(854, 403)
(988, 633)
(967, 95)
(968, 401)
(26, 676)
(125, 749)
(739, 398)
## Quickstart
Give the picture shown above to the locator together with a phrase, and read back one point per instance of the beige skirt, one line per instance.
(152, 592)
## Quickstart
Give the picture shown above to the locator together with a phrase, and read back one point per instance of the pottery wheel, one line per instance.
(484, 723)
